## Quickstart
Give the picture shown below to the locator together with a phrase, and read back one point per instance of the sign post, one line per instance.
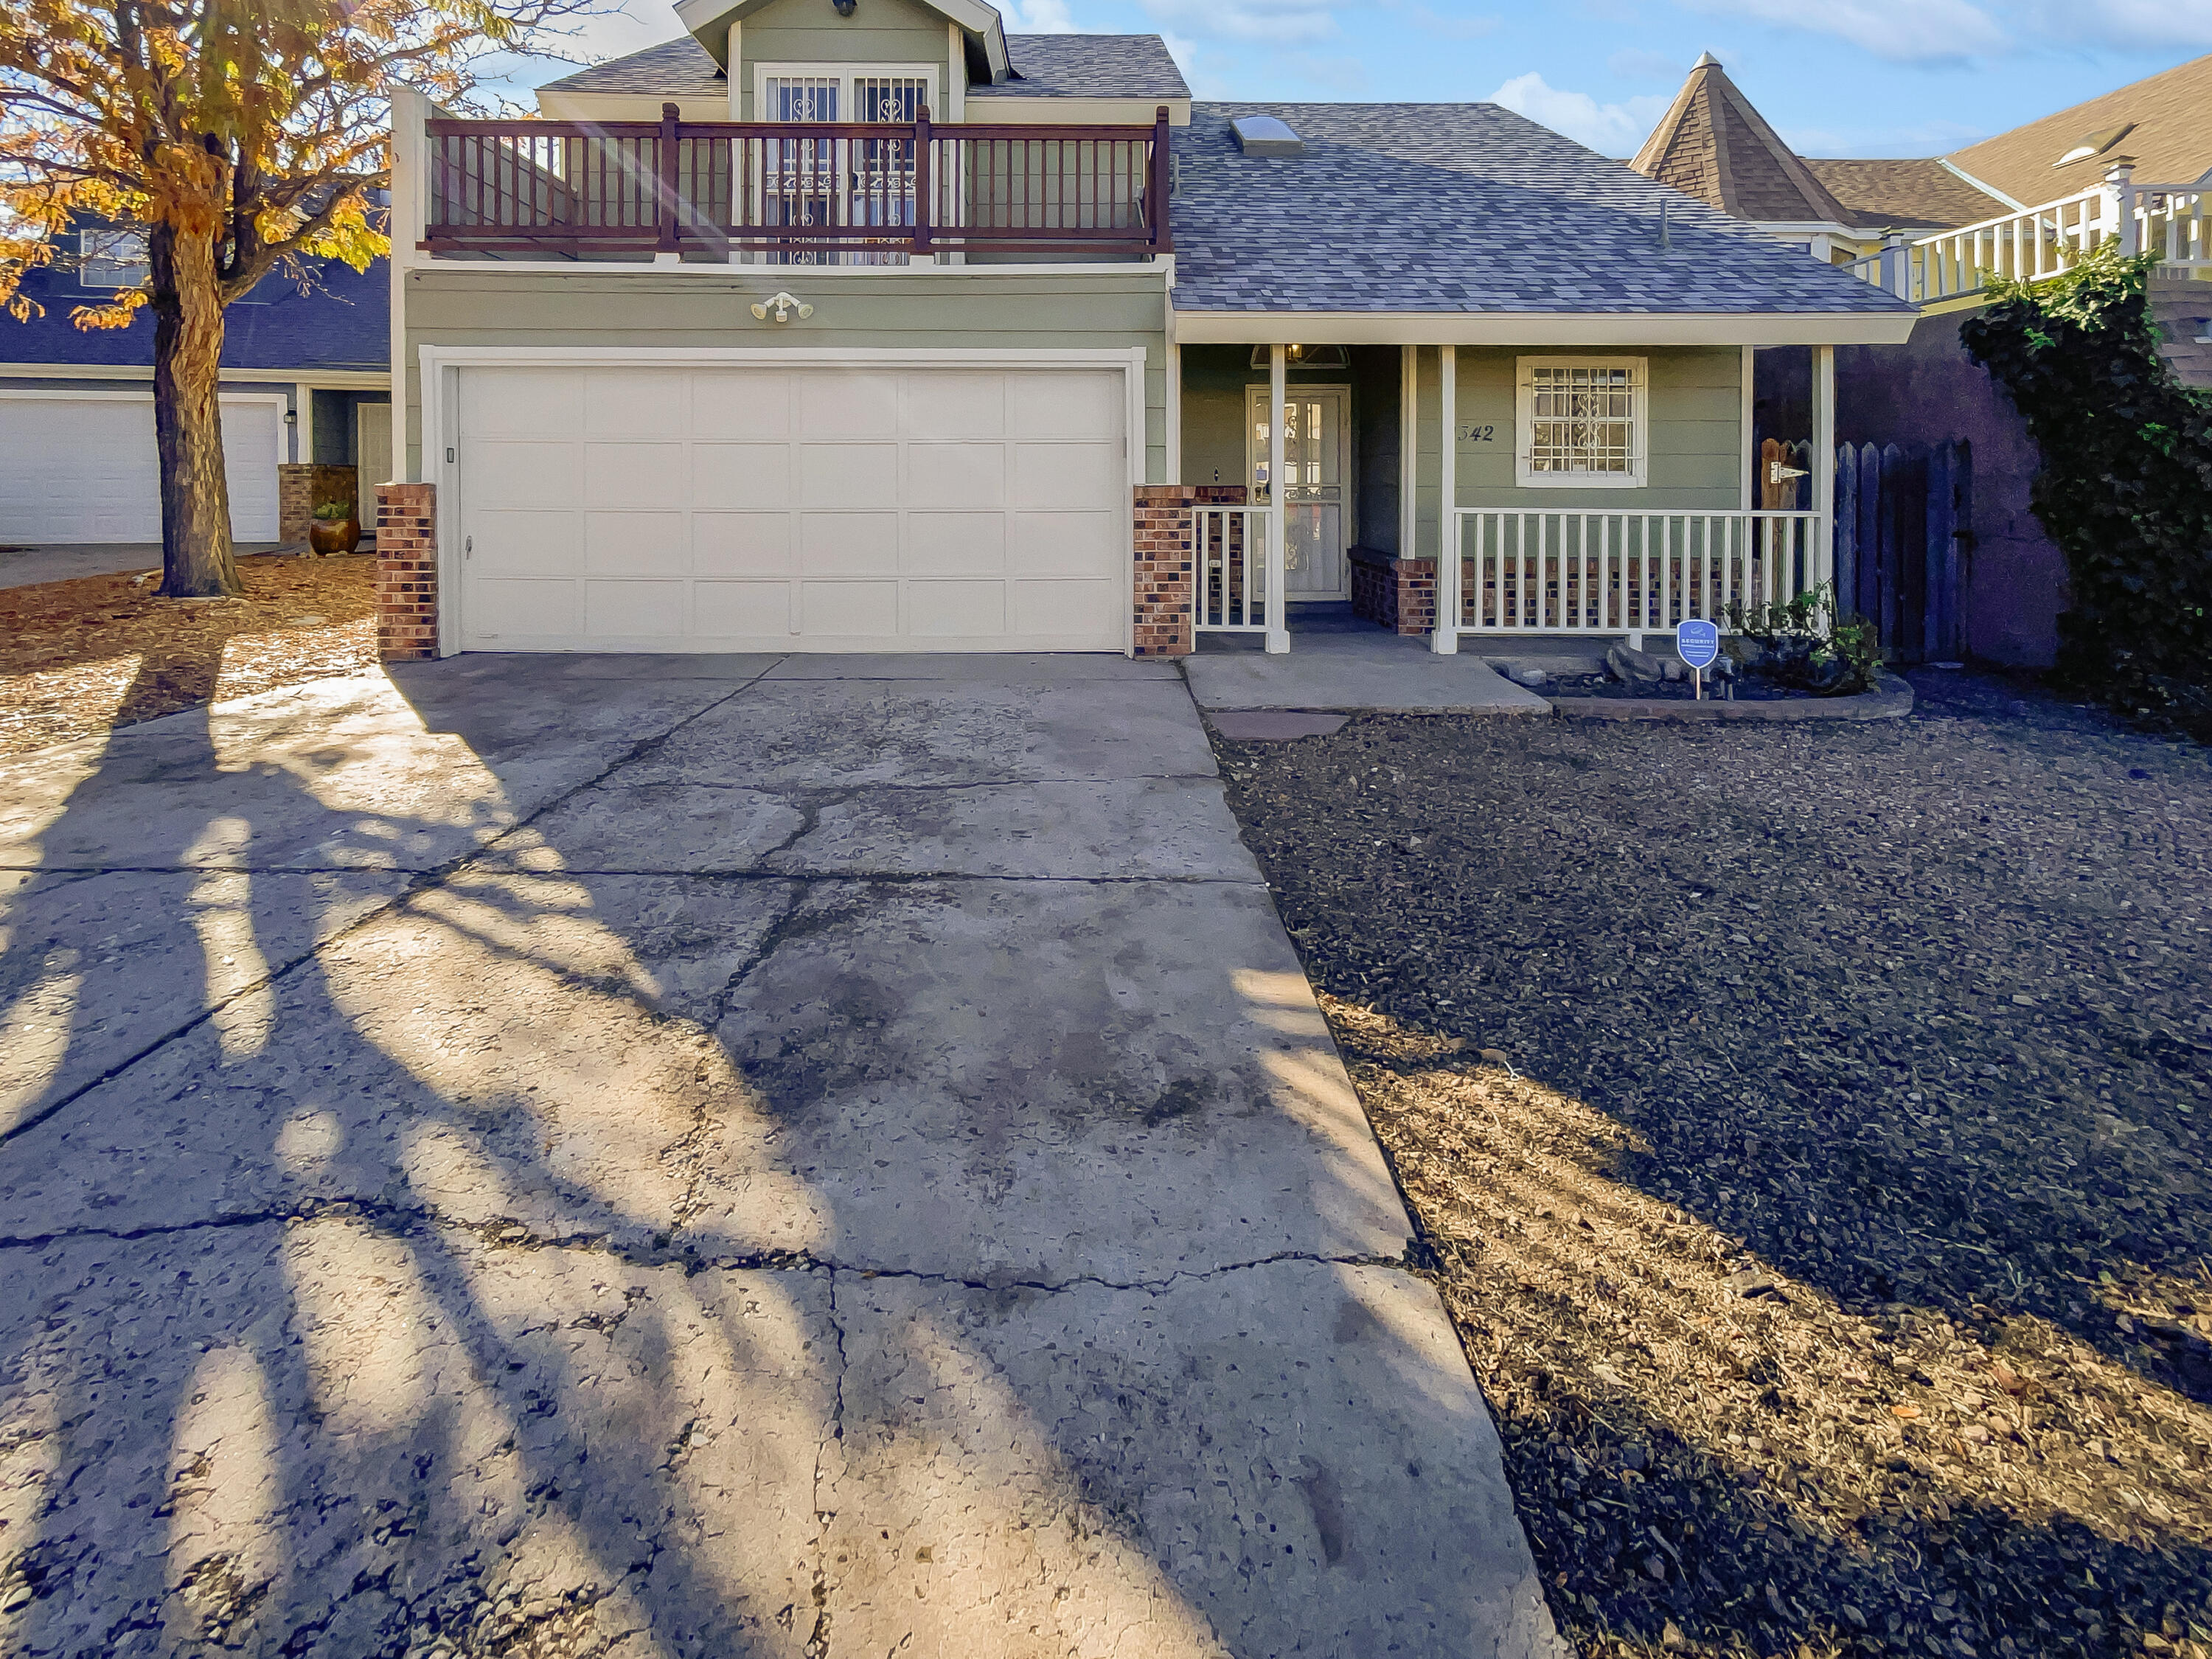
(1698, 644)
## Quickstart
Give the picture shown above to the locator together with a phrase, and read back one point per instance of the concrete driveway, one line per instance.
(700, 1157)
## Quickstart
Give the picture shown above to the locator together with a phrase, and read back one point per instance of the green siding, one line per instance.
(877, 32)
(950, 310)
(1695, 409)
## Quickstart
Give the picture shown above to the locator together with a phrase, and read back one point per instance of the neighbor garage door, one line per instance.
(80, 467)
(792, 509)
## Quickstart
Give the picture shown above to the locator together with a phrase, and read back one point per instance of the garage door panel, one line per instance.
(83, 469)
(542, 403)
(739, 610)
(538, 543)
(510, 610)
(635, 610)
(501, 473)
(740, 478)
(742, 544)
(843, 476)
(1084, 609)
(941, 404)
(865, 610)
(1087, 544)
(634, 475)
(1069, 475)
(972, 475)
(620, 403)
(741, 404)
(635, 545)
(849, 544)
(1063, 405)
(955, 544)
(835, 403)
(944, 609)
(871, 509)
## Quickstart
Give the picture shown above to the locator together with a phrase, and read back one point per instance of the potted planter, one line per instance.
(335, 529)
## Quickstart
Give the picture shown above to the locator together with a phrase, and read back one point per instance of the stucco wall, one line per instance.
(489, 306)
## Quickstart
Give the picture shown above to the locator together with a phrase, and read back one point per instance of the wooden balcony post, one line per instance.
(922, 143)
(1162, 180)
(666, 208)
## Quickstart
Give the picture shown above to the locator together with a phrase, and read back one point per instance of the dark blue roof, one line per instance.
(1462, 208)
(344, 321)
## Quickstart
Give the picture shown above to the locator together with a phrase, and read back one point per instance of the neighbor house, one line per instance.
(843, 324)
(306, 381)
(2133, 166)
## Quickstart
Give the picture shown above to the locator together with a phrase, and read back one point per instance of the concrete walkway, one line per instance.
(702, 1157)
(1335, 662)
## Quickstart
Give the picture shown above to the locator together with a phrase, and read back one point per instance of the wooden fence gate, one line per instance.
(1904, 536)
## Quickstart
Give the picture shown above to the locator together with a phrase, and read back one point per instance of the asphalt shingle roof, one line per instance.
(1462, 208)
(1088, 66)
(1905, 195)
(675, 69)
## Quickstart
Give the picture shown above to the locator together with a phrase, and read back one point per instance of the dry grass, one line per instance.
(79, 657)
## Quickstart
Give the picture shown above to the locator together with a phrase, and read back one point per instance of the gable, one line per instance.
(1713, 145)
(709, 22)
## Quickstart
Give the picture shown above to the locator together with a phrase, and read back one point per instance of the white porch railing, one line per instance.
(1237, 569)
(2168, 220)
(1572, 571)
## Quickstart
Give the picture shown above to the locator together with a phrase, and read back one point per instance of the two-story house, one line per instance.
(845, 325)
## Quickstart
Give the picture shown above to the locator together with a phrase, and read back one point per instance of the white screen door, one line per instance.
(1316, 524)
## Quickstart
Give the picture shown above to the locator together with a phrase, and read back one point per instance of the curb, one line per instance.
(1890, 699)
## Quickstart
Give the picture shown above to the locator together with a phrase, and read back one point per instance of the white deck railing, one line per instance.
(1572, 571)
(1237, 569)
(2167, 220)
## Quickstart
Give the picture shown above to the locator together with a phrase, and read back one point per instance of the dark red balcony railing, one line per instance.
(817, 192)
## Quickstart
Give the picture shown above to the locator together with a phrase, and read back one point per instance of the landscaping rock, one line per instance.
(1633, 667)
(1532, 677)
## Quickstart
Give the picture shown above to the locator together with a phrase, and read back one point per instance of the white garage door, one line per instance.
(82, 467)
(793, 509)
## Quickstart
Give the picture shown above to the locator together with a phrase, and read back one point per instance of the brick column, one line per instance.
(406, 572)
(296, 500)
(1162, 581)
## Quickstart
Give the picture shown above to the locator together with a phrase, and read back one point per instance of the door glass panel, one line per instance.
(1313, 488)
(801, 185)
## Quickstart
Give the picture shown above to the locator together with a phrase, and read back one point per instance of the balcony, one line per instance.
(782, 193)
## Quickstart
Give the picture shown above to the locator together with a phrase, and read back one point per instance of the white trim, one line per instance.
(330, 379)
(1278, 609)
(1823, 551)
(1746, 409)
(955, 73)
(440, 386)
(1409, 442)
(1987, 189)
(303, 429)
(1171, 403)
(698, 269)
(1556, 329)
(1444, 638)
(1524, 417)
(736, 84)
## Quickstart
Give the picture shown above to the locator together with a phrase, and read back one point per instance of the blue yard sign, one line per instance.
(1697, 643)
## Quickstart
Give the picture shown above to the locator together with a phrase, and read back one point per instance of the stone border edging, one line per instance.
(1890, 699)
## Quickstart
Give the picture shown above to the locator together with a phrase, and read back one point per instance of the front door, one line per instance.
(839, 181)
(1317, 524)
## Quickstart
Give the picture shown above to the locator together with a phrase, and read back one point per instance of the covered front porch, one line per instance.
(1588, 490)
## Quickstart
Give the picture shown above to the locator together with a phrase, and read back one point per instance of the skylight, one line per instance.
(1266, 135)
(2096, 144)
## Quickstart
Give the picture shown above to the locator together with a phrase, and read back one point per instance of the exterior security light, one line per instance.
(783, 305)
(845, 8)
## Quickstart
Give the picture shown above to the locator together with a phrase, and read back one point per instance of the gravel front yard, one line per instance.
(1810, 1124)
(83, 656)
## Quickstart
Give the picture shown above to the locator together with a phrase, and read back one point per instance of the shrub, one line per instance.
(2126, 488)
(1804, 644)
(338, 512)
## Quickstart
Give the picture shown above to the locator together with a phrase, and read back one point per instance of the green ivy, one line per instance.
(2126, 488)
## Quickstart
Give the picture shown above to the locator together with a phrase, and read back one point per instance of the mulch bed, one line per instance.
(1828, 1222)
(1748, 689)
(79, 657)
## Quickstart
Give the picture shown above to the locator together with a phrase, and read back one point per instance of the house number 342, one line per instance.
(1477, 434)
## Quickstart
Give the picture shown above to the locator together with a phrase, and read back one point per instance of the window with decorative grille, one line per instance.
(1582, 421)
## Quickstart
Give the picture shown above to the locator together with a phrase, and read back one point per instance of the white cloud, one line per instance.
(1609, 129)
(1263, 22)
(1038, 17)
(2152, 23)
(1902, 31)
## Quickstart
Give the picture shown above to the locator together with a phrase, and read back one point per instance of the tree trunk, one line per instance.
(198, 561)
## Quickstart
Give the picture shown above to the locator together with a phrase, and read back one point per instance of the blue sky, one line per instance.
(1835, 77)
